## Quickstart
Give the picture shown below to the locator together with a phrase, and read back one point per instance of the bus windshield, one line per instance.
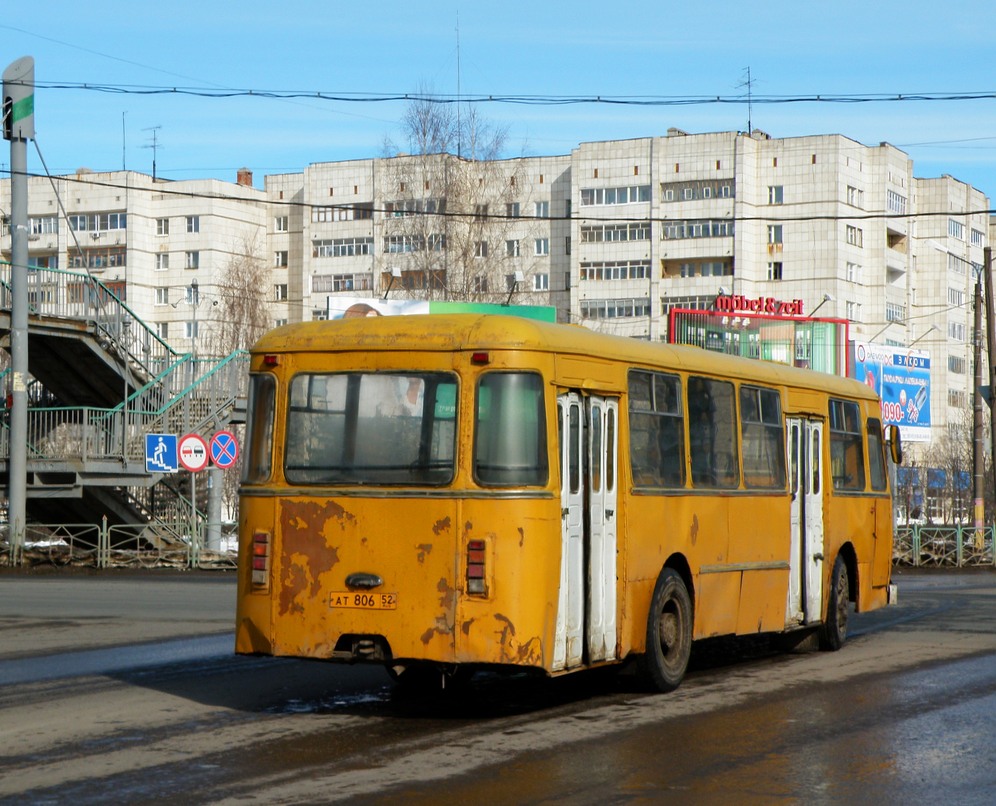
(371, 428)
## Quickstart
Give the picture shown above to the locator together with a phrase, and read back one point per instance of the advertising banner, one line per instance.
(901, 377)
(348, 307)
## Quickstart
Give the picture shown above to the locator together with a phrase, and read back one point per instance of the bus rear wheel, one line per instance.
(833, 631)
(669, 632)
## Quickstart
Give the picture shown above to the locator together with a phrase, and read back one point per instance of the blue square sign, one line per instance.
(160, 453)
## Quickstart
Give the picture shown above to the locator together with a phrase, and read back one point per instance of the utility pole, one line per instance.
(18, 128)
(978, 421)
(987, 273)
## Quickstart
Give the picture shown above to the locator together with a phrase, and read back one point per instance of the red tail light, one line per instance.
(261, 560)
(476, 571)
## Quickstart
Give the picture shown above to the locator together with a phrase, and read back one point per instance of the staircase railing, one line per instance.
(77, 295)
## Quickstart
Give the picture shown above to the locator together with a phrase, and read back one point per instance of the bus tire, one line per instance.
(669, 632)
(833, 631)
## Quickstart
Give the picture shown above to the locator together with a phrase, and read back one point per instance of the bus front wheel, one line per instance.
(834, 630)
(669, 632)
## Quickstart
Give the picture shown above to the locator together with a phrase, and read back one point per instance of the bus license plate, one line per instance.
(364, 601)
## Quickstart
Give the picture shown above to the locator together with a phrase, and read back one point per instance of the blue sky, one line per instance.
(660, 49)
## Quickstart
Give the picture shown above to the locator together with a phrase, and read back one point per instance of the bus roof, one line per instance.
(457, 332)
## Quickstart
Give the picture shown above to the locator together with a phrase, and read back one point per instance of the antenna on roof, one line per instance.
(155, 147)
(748, 82)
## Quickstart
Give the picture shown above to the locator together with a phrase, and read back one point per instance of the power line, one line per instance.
(516, 98)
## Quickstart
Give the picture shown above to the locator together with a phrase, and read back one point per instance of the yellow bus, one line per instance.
(449, 493)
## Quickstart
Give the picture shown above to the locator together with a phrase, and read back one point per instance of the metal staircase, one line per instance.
(115, 381)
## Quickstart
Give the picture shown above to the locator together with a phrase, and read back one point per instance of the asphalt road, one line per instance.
(124, 688)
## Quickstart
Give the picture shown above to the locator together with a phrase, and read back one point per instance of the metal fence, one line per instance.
(956, 546)
(89, 545)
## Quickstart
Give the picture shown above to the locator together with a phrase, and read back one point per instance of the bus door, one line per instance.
(805, 596)
(586, 605)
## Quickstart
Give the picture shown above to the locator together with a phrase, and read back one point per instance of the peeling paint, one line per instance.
(524, 653)
(465, 627)
(522, 537)
(423, 549)
(693, 533)
(447, 594)
(440, 526)
(305, 549)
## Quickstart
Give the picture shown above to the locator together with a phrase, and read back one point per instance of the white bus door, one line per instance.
(805, 594)
(586, 604)
(601, 542)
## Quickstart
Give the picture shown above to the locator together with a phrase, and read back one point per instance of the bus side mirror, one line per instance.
(895, 443)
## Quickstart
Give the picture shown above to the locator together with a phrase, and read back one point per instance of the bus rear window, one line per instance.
(510, 430)
(371, 428)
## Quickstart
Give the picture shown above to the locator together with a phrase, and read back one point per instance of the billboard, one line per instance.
(901, 377)
(348, 307)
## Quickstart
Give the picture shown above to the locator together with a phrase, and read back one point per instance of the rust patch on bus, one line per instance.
(522, 536)
(528, 653)
(693, 532)
(440, 526)
(446, 594)
(423, 549)
(305, 548)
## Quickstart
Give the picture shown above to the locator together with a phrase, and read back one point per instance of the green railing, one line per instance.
(956, 546)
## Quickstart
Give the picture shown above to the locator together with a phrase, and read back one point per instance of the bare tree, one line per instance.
(453, 223)
(242, 310)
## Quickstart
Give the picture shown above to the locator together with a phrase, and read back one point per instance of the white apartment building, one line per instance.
(613, 235)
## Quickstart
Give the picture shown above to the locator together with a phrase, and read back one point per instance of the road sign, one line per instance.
(224, 449)
(160, 453)
(192, 452)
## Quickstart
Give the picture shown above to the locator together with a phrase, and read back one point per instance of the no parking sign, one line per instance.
(224, 449)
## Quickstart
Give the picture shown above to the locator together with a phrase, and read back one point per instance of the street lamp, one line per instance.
(395, 274)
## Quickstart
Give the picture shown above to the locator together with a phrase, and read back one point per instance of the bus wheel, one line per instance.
(669, 632)
(833, 631)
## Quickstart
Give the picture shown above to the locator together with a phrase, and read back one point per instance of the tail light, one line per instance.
(261, 560)
(476, 571)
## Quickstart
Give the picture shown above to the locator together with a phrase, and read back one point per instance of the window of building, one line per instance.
(541, 247)
(895, 312)
(512, 248)
(162, 296)
(617, 195)
(852, 310)
(855, 237)
(541, 281)
(776, 194)
(978, 238)
(775, 270)
(956, 364)
(162, 330)
(774, 233)
(342, 247)
(956, 229)
(280, 259)
(480, 284)
(280, 292)
(512, 209)
(162, 226)
(956, 296)
(541, 209)
(855, 197)
(279, 322)
(480, 212)
(481, 249)
(280, 223)
(853, 272)
(895, 202)
(191, 330)
(193, 223)
(956, 331)
(162, 261)
(192, 260)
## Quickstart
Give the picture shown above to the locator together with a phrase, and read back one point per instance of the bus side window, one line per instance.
(763, 437)
(847, 464)
(712, 437)
(656, 430)
(876, 455)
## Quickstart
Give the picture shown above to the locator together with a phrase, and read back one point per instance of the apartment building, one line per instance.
(614, 235)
